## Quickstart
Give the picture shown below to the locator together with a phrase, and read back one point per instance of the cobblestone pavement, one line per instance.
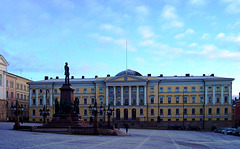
(139, 139)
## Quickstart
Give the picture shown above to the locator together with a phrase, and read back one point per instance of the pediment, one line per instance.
(126, 78)
(3, 61)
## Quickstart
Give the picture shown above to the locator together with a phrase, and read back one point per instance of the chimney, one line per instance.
(96, 76)
(212, 75)
(57, 77)
(239, 96)
(108, 75)
(161, 75)
(149, 75)
(175, 75)
(46, 77)
(72, 77)
(82, 77)
(203, 75)
(51, 78)
(187, 75)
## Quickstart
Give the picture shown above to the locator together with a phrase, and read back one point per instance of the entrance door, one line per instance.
(134, 114)
(125, 114)
(118, 114)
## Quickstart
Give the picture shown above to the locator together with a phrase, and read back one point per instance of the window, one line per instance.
(11, 95)
(210, 111)
(161, 89)
(217, 88)
(34, 91)
(92, 90)
(24, 88)
(218, 111)
(17, 86)
(169, 89)
(226, 111)
(177, 89)
(201, 99)
(201, 111)
(169, 99)
(177, 99)
(101, 100)
(161, 111)
(134, 89)
(119, 90)
(11, 84)
(210, 99)
(93, 100)
(126, 89)
(77, 90)
(193, 99)
(41, 91)
(85, 100)
(85, 90)
(34, 101)
(185, 99)
(169, 112)
(17, 95)
(177, 111)
(152, 111)
(193, 111)
(100, 90)
(41, 102)
(7, 94)
(225, 98)
(33, 112)
(21, 87)
(7, 83)
(152, 89)
(21, 96)
(85, 112)
(160, 99)
(25, 97)
(141, 100)
(1, 79)
(152, 99)
(193, 89)
(201, 88)
(225, 88)
(185, 111)
(141, 111)
(209, 88)
(141, 89)
(218, 99)
(185, 89)
(111, 90)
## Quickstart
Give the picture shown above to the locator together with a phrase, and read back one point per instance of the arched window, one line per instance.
(169, 112)
(210, 111)
(141, 111)
(193, 111)
(152, 111)
(161, 111)
(201, 111)
(218, 110)
(177, 111)
(226, 111)
(85, 112)
(185, 111)
(0, 79)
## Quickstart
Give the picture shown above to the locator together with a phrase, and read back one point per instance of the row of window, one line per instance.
(126, 90)
(19, 96)
(19, 86)
(186, 89)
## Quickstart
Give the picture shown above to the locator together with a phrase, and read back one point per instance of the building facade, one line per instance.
(3, 103)
(17, 89)
(142, 98)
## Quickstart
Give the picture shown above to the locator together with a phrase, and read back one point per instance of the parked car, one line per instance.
(237, 133)
(217, 130)
(176, 127)
(194, 128)
(230, 130)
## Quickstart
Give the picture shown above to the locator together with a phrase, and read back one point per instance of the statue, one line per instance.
(56, 106)
(66, 73)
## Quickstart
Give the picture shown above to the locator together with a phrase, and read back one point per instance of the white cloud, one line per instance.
(188, 31)
(140, 60)
(111, 28)
(204, 36)
(176, 24)
(146, 42)
(142, 10)
(233, 6)
(145, 31)
(169, 12)
(198, 2)
(193, 45)
(220, 36)
(105, 39)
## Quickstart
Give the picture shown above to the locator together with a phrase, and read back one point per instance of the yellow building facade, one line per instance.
(141, 98)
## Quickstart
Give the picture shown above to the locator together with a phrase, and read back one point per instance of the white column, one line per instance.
(230, 94)
(4, 79)
(44, 96)
(106, 95)
(214, 94)
(30, 97)
(114, 95)
(51, 97)
(145, 95)
(121, 95)
(137, 95)
(37, 97)
(129, 99)
(206, 99)
(221, 94)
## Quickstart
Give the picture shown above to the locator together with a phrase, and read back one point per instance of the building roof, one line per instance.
(128, 72)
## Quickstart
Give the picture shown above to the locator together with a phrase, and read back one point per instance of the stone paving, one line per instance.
(139, 139)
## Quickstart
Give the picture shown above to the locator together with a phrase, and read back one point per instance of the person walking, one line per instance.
(126, 126)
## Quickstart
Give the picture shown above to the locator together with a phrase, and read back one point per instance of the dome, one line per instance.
(129, 72)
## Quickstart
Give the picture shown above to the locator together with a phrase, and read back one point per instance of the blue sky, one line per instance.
(164, 37)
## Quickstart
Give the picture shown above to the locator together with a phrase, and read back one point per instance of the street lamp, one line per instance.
(110, 112)
(17, 111)
(94, 111)
(44, 112)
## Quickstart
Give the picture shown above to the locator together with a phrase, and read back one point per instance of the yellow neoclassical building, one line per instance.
(142, 98)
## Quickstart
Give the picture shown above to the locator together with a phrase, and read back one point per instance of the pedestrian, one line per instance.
(126, 126)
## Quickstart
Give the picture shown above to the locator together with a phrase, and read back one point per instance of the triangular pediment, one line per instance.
(126, 78)
(3, 61)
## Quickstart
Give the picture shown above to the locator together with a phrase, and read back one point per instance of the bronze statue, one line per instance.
(76, 108)
(56, 106)
(66, 73)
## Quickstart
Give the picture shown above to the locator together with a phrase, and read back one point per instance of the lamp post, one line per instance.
(17, 111)
(94, 111)
(44, 112)
(109, 113)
